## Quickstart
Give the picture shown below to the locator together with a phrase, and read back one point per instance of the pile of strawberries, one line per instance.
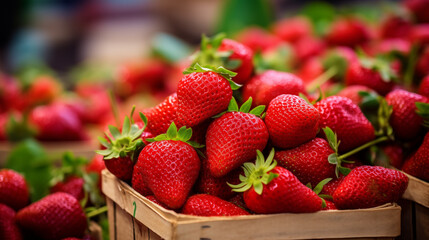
(59, 215)
(242, 136)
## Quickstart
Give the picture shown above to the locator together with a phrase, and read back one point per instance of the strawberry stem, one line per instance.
(366, 145)
(323, 78)
(96, 212)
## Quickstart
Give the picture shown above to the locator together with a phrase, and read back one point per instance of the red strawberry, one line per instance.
(347, 120)
(424, 87)
(271, 189)
(257, 39)
(243, 55)
(370, 186)
(330, 206)
(420, 34)
(357, 74)
(13, 189)
(330, 187)
(354, 93)
(153, 199)
(348, 32)
(406, 123)
(72, 185)
(238, 201)
(122, 148)
(201, 95)
(43, 90)
(266, 86)
(310, 70)
(308, 47)
(418, 164)
(233, 138)
(8, 228)
(394, 45)
(395, 154)
(96, 166)
(96, 102)
(208, 205)
(419, 8)
(55, 216)
(309, 161)
(216, 186)
(161, 116)
(137, 182)
(395, 27)
(291, 121)
(170, 166)
(422, 67)
(57, 122)
(292, 29)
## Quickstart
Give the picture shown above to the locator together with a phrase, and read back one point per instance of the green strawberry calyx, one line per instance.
(383, 117)
(334, 158)
(183, 134)
(126, 143)
(318, 188)
(257, 174)
(380, 64)
(423, 111)
(245, 108)
(225, 73)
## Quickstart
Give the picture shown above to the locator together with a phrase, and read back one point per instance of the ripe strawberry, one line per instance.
(137, 182)
(422, 67)
(348, 32)
(371, 76)
(309, 161)
(238, 201)
(208, 205)
(202, 93)
(72, 185)
(96, 166)
(308, 47)
(424, 87)
(418, 164)
(292, 29)
(8, 228)
(122, 148)
(406, 123)
(370, 186)
(257, 39)
(55, 216)
(161, 116)
(266, 86)
(57, 122)
(13, 189)
(169, 166)
(354, 93)
(388, 46)
(332, 185)
(243, 55)
(347, 120)
(216, 186)
(339, 58)
(419, 8)
(395, 154)
(310, 70)
(330, 206)
(233, 138)
(96, 102)
(395, 27)
(420, 34)
(44, 89)
(291, 121)
(153, 199)
(271, 189)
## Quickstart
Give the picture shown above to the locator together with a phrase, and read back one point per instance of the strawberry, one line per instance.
(57, 122)
(241, 54)
(13, 189)
(233, 138)
(339, 58)
(137, 182)
(418, 164)
(422, 67)
(395, 27)
(310, 70)
(96, 165)
(122, 148)
(161, 116)
(72, 185)
(420, 34)
(330, 206)
(419, 8)
(266, 86)
(309, 161)
(55, 216)
(308, 47)
(332, 185)
(169, 166)
(406, 123)
(271, 189)
(424, 87)
(370, 186)
(395, 154)
(348, 32)
(257, 39)
(354, 93)
(202, 93)
(216, 186)
(238, 201)
(395, 45)
(96, 102)
(375, 74)
(8, 228)
(347, 120)
(208, 205)
(291, 121)
(292, 29)
(43, 90)
(153, 199)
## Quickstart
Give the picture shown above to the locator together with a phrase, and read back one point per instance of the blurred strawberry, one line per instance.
(420, 34)
(96, 165)
(395, 154)
(257, 39)
(424, 87)
(394, 45)
(308, 47)
(348, 32)
(330, 206)
(8, 228)
(97, 103)
(13, 189)
(73, 185)
(292, 29)
(354, 93)
(419, 8)
(10, 95)
(43, 90)
(422, 67)
(395, 27)
(310, 70)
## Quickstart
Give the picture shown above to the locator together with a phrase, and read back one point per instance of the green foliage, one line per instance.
(423, 111)
(170, 48)
(18, 130)
(225, 73)
(183, 134)
(321, 14)
(29, 159)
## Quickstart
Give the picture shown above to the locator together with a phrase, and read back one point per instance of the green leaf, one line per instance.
(258, 187)
(309, 185)
(103, 142)
(345, 171)
(170, 48)
(321, 14)
(188, 135)
(318, 188)
(181, 133)
(195, 144)
(233, 63)
(301, 95)
(245, 108)
(126, 125)
(333, 158)
(257, 111)
(219, 115)
(114, 131)
(332, 138)
(233, 106)
(144, 119)
(172, 131)
(370, 100)
(30, 159)
(325, 196)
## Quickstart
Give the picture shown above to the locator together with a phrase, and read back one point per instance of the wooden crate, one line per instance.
(132, 216)
(415, 214)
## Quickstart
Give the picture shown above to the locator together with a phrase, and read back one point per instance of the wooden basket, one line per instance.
(132, 216)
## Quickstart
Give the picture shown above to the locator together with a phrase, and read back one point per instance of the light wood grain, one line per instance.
(417, 191)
